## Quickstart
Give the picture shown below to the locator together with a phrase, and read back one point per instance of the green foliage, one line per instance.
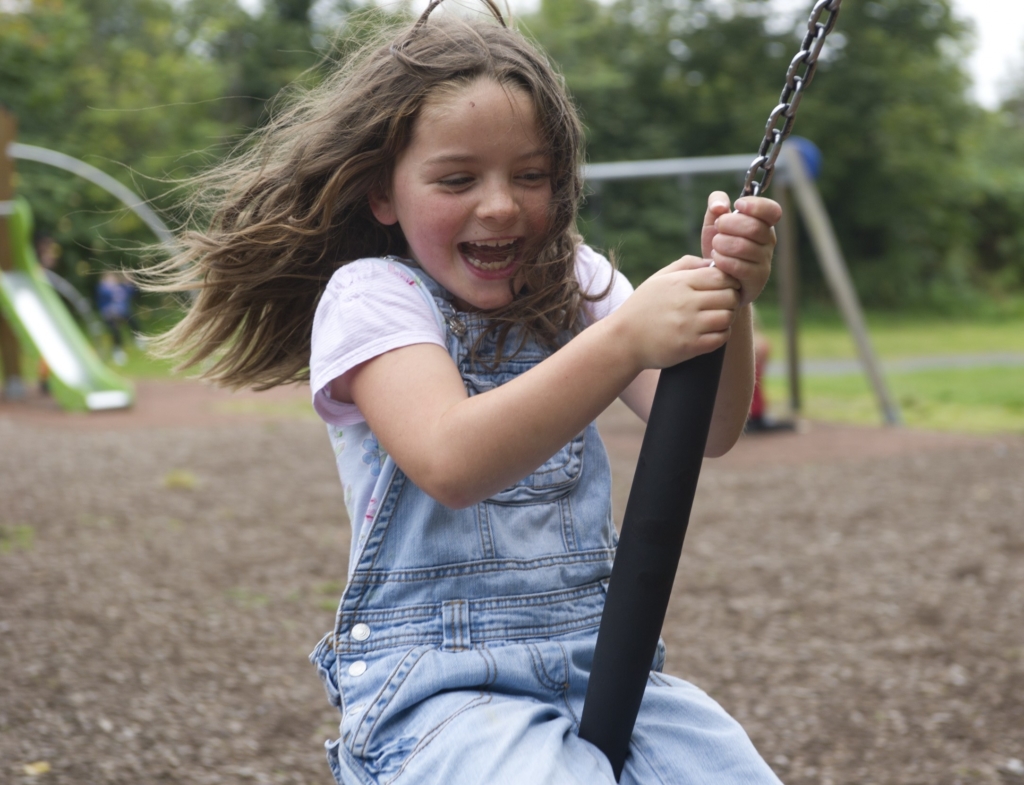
(255, 55)
(996, 154)
(926, 190)
(891, 114)
(914, 207)
(656, 79)
(112, 82)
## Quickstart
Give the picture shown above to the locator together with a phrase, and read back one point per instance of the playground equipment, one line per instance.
(79, 380)
(658, 510)
(794, 184)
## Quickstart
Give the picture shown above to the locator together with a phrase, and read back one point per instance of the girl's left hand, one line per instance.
(741, 243)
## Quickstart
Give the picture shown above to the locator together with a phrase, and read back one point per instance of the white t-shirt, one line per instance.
(370, 308)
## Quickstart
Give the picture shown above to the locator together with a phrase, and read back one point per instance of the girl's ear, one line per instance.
(382, 208)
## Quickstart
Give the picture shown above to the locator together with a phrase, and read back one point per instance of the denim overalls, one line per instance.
(464, 638)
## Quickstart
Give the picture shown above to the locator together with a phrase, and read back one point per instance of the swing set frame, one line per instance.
(665, 481)
(795, 187)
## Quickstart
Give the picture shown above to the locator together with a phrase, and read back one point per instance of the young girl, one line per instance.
(422, 203)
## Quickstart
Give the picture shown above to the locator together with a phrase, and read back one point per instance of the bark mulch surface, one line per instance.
(855, 597)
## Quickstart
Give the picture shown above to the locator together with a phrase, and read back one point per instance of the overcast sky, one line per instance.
(1000, 26)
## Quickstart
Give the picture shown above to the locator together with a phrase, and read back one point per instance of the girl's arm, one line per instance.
(732, 403)
(741, 244)
(462, 449)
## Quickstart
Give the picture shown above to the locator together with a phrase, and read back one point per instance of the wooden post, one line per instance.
(787, 270)
(830, 257)
(10, 350)
(7, 132)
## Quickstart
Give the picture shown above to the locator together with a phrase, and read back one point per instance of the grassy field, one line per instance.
(971, 399)
(966, 399)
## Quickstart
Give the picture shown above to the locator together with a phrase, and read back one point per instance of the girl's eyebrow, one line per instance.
(463, 158)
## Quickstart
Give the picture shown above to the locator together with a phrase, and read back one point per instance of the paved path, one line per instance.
(903, 365)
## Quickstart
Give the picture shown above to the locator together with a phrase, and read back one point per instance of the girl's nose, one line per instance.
(499, 204)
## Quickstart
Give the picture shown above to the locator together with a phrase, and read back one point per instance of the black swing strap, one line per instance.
(658, 509)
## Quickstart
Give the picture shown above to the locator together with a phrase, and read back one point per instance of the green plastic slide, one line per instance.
(79, 380)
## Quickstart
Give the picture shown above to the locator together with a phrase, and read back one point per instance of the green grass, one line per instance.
(982, 400)
(16, 538)
(979, 400)
(824, 336)
(140, 363)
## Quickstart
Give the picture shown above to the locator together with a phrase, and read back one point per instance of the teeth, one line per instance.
(509, 258)
(491, 246)
(494, 243)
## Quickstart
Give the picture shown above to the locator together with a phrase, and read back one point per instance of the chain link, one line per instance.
(798, 77)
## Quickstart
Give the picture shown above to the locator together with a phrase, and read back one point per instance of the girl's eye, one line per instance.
(534, 178)
(456, 181)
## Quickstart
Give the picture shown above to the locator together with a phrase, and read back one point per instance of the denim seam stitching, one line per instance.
(468, 569)
(658, 679)
(482, 634)
(568, 524)
(635, 749)
(352, 765)
(537, 661)
(373, 714)
(491, 665)
(481, 699)
(565, 691)
(483, 518)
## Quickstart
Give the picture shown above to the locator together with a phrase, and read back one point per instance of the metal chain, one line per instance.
(784, 114)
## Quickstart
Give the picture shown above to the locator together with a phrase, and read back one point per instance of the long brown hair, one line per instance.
(287, 211)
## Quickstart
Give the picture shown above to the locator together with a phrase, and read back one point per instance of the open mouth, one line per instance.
(492, 255)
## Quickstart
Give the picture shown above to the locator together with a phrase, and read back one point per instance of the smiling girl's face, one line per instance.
(472, 191)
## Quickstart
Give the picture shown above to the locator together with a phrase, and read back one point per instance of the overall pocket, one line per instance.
(426, 690)
(558, 475)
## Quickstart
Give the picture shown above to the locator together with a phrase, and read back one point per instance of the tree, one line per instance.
(996, 156)
(892, 116)
(655, 79)
(112, 82)
(659, 78)
(258, 55)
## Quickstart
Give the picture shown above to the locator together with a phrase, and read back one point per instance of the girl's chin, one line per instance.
(483, 300)
(480, 294)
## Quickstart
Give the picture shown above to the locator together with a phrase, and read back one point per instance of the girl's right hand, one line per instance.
(684, 310)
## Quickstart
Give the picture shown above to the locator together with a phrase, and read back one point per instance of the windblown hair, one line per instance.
(283, 215)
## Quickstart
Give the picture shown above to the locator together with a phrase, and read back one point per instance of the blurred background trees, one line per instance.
(926, 188)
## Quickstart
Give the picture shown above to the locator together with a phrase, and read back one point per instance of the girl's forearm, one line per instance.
(576, 384)
(736, 387)
(461, 449)
(734, 390)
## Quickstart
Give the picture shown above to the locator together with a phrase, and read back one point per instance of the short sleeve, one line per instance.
(370, 306)
(593, 271)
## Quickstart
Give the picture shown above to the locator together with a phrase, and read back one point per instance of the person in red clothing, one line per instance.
(758, 420)
(757, 403)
